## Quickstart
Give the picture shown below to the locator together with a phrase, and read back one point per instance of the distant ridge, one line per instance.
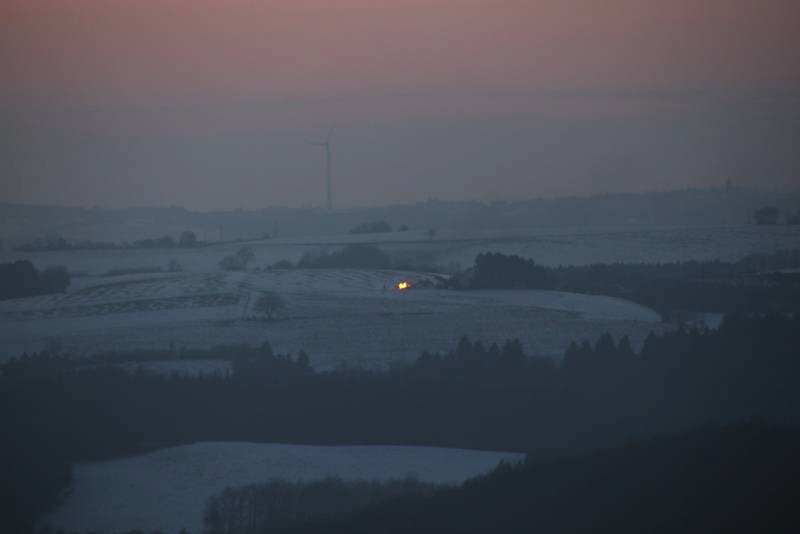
(689, 207)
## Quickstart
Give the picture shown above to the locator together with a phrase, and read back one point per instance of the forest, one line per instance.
(735, 478)
(494, 398)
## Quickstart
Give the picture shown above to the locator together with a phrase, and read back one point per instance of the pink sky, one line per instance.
(135, 50)
(213, 103)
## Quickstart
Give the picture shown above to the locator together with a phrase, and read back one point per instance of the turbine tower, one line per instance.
(327, 146)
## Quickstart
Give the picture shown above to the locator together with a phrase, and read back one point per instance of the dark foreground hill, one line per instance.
(742, 478)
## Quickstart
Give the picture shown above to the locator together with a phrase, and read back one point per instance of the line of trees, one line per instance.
(186, 239)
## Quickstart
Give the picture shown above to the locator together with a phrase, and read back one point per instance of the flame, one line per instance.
(403, 285)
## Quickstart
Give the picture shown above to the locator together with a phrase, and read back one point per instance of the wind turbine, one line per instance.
(327, 146)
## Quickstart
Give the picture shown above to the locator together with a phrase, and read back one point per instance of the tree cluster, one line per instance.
(349, 257)
(354, 256)
(495, 270)
(766, 216)
(22, 279)
(268, 304)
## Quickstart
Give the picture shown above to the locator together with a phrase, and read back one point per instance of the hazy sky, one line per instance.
(213, 104)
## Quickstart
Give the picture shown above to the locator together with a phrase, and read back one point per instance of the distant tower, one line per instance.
(327, 146)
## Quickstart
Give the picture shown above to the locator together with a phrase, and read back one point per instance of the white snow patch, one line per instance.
(167, 489)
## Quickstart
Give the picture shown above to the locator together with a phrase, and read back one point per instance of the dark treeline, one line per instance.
(356, 256)
(233, 353)
(185, 239)
(494, 398)
(349, 257)
(755, 283)
(375, 227)
(741, 478)
(501, 271)
(279, 503)
(22, 279)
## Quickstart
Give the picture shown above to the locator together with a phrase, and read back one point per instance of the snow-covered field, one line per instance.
(340, 317)
(353, 316)
(167, 489)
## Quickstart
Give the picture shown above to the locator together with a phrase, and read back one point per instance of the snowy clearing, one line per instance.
(167, 489)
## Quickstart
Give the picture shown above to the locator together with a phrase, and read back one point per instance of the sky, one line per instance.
(215, 104)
